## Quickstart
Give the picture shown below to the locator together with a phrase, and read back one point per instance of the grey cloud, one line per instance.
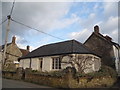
(35, 14)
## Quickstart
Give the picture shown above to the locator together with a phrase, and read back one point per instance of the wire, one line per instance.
(35, 29)
(12, 8)
(3, 21)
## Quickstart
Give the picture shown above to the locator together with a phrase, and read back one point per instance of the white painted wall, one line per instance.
(25, 63)
(117, 61)
(64, 63)
(47, 63)
(35, 63)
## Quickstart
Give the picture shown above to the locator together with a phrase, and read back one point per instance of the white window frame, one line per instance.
(56, 63)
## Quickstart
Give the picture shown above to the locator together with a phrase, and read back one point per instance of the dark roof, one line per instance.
(61, 48)
(2, 46)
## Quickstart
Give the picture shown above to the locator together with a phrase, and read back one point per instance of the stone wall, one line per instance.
(69, 80)
(12, 55)
(101, 47)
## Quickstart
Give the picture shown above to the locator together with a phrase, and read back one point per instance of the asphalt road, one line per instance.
(7, 83)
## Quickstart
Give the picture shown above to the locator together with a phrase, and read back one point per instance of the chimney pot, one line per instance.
(96, 29)
(28, 48)
(13, 39)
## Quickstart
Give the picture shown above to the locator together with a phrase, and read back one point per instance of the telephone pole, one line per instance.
(6, 38)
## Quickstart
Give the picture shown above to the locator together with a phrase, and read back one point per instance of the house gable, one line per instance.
(103, 46)
(13, 50)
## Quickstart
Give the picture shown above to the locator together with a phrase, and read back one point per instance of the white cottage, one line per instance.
(60, 55)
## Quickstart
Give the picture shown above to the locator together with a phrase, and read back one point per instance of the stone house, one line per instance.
(13, 52)
(105, 47)
(60, 55)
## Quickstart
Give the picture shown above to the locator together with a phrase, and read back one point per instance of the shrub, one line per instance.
(104, 71)
(34, 71)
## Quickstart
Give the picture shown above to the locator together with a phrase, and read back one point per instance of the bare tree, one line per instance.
(81, 63)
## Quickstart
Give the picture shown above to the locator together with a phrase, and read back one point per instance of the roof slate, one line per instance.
(60, 48)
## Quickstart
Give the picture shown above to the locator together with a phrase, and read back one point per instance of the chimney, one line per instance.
(13, 39)
(96, 29)
(28, 48)
(108, 38)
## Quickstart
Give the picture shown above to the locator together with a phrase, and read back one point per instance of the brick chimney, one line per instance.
(13, 39)
(108, 38)
(28, 47)
(96, 29)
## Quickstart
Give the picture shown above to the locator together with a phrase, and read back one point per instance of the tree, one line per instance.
(81, 62)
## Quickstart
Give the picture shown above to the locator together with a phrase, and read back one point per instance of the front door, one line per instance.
(40, 63)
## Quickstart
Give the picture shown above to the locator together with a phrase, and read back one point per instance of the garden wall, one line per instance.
(69, 80)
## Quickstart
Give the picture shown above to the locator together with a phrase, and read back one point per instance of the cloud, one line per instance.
(109, 25)
(108, 22)
(81, 35)
(43, 16)
(110, 9)
(21, 40)
(59, 24)
(50, 17)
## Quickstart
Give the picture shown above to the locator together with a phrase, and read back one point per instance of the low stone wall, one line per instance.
(69, 82)
(46, 80)
(11, 75)
(18, 74)
(66, 81)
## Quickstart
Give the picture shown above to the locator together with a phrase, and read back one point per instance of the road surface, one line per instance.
(7, 83)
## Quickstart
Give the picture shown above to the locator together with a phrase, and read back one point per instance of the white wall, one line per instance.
(47, 63)
(64, 63)
(25, 63)
(116, 58)
(35, 63)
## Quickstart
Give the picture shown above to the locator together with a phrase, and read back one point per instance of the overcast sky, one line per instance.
(66, 20)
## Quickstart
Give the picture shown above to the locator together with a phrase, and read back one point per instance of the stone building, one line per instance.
(105, 47)
(60, 55)
(13, 52)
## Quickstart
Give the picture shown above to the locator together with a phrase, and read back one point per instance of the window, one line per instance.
(56, 63)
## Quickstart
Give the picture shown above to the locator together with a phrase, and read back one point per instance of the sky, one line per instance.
(65, 20)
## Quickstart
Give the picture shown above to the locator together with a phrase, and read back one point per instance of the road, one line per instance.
(7, 83)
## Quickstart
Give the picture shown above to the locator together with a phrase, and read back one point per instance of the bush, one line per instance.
(59, 73)
(34, 71)
(104, 71)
